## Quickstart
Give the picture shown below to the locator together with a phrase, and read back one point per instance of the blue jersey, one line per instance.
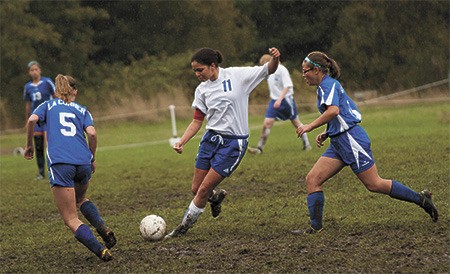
(331, 93)
(66, 124)
(38, 93)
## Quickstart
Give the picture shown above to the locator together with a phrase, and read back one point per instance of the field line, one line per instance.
(166, 141)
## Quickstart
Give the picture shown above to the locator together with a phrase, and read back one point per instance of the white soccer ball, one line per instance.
(153, 228)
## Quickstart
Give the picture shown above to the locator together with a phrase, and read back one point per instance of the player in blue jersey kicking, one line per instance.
(71, 162)
(38, 90)
(281, 106)
(221, 97)
(349, 144)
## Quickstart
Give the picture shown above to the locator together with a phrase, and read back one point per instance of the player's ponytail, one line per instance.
(324, 63)
(65, 88)
(207, 56)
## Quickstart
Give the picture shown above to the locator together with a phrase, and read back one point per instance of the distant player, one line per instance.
(37, 91)
(281, 106)
(222, 98)
(71, 162)
(349, 144)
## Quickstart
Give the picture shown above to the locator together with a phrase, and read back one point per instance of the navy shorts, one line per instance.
(286, 110)
(222, 153)
(353, 148)
(65, 175)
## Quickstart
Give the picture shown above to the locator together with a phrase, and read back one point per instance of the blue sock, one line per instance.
(89, 210)
(85, 236)
(404, 193)
(316, 201)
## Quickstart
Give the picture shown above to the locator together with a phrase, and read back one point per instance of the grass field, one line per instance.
(364, 232)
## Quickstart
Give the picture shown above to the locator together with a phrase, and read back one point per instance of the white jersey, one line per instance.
(225, 100)
(279, 81)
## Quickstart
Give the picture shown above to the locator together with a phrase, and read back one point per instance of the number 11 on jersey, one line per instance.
(227, 85)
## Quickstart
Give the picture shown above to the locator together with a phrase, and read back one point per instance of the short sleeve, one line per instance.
(41, 112)
(26, 95)
(199, 101)
(285, 77)
(88, 120)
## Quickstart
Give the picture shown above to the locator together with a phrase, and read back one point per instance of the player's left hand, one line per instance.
(303, 129)
(29, 152)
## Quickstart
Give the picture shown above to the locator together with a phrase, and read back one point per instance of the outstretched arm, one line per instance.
(274, 61)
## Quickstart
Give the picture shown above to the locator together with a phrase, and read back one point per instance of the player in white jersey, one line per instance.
(222, 98)
(349, 144)
(281, 106)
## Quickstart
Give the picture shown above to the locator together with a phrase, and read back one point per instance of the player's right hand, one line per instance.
(29, 151)
(178, 147)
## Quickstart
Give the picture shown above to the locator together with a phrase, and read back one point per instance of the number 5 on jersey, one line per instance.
(72, 130)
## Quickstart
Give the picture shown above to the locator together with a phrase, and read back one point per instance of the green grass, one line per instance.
(364, 232)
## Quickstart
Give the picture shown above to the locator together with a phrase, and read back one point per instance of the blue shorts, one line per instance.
(66, 175)
(353, 148)
(221, 152)
(287, 109)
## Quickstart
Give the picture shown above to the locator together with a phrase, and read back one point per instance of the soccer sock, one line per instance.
(263, 138)
(305, 140)
(404, 193)
(191, 215)
(39, 147)
(84, 235)
(89, 210)
(316, 201)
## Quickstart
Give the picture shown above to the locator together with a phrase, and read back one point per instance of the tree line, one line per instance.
(120, 49)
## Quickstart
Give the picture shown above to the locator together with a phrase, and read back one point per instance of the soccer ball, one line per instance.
(153, 228)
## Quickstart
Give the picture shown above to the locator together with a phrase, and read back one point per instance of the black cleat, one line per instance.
(428, 205)
(108, 236)
(216, 202)
(105, 255)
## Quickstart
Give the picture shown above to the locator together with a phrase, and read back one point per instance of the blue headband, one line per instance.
(312, 62)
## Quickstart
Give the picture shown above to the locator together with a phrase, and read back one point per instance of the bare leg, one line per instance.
(267, 125)
(324, 169)
(373, 182)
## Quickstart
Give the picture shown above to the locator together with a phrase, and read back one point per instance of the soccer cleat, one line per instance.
(308, 147)
(216, 201)
(105, 255)
(177, 232)
(309, 230)
(180, 230)
(428, 205)
(107, 236)
(254, 150)
(39, 177)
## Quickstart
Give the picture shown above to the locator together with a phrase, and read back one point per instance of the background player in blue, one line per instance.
(349, 144)
(222, 98)
(35, 92)
(71, 162)
(281, 106)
